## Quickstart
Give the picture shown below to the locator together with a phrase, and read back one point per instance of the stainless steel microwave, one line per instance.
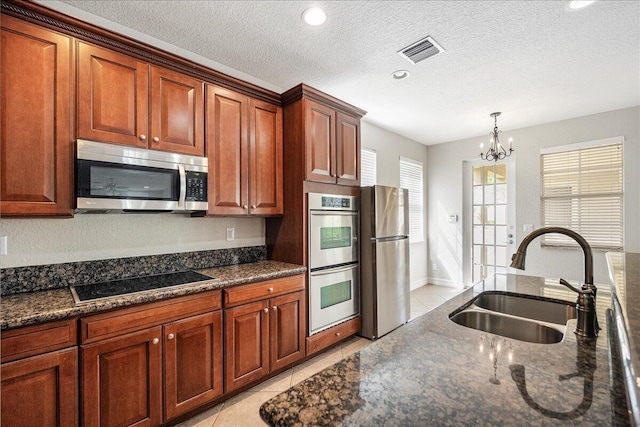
(118, 178)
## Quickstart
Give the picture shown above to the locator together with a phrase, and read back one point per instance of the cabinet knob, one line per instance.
(275, 307)
(266, 310)
(270, 289)
(253, 206)
(143, 137)
(156, 139)
(155, 341)
(171, 336)
(244, 206)
(337, 334)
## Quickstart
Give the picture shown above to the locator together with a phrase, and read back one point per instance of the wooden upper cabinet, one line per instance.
(36, 152)
(177, 112)
(320, 136)
(265, 159)
(125, 101)
(113, 96)
(347, 150)
(244, 148)
(227, 150)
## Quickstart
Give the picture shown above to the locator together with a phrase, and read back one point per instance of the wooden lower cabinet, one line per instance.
(122, 380)
(263, 336)
(41, 391)
(193, 363)
(123, 377)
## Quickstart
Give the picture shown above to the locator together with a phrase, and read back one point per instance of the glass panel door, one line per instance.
(491, 235)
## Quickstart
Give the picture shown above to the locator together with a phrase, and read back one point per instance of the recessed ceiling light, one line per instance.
(580, 4)
(400, 74)
(314, 16)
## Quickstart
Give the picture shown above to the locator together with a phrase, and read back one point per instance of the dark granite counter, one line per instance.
(432, 371)
(624, 269)
(42, 306)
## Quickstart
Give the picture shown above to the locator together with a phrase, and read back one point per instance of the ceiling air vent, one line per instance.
(421, 50)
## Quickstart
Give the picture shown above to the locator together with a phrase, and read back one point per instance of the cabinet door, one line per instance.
(193, 362)
(177, 112)
(113, 96)
(246, 344)
(265, 163)
(227, 151)
(41, 390)
(122, 380)
(348, 150)
(287, 329)
(36, 153)
(320, 138)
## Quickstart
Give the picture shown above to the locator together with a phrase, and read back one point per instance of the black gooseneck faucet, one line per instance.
(587, 325)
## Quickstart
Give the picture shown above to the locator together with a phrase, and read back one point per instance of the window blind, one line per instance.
(582, 189)
(368, 167)
(411, 179)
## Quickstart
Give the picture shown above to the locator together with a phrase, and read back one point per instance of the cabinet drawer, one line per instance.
(330, 336)
(261, 290)
(32, 340)
(101, 326)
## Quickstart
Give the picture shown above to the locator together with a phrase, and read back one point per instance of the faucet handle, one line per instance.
(574, 289)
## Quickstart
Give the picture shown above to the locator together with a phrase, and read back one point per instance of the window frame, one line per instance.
(415, 235)
(582, 214)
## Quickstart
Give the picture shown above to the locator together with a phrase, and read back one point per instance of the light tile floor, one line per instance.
(243, 409)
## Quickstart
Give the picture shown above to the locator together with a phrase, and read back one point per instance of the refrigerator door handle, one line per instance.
(388, 239)
(333, 270)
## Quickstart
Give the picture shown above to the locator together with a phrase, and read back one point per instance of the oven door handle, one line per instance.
(333, 270)
(333, 213)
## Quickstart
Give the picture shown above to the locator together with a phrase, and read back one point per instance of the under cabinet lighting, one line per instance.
(314, 16)
(580, 4)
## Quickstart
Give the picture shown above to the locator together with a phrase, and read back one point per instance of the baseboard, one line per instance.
(418, 283)
(442, 282)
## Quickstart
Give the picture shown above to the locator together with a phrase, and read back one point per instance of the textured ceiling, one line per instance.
(536, 61)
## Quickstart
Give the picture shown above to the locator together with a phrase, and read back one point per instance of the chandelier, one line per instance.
(496, 151)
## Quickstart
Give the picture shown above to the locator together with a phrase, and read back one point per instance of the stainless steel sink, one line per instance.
(522, 306)
(507, 326)
(521, 317)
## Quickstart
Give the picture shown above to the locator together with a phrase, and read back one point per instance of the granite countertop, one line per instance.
(431, 372)
(43, 306)
(624, 269)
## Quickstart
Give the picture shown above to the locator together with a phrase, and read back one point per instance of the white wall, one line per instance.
(445, 193)
(389, 147)
(100, 236)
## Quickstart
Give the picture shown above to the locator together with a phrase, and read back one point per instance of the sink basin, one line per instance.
(530, 308)
(510, 327)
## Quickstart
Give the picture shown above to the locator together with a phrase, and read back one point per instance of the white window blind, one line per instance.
(582, 189)
(411, 179)
(368, 167)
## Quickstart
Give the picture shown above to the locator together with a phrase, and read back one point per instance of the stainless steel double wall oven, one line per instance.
(334, 287)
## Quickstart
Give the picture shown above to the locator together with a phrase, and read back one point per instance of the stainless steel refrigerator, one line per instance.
(384, 264)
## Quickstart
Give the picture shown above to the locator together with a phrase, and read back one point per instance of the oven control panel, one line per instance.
(336, 202)
(333, 202)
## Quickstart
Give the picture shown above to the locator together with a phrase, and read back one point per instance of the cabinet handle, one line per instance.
(253, 206)
(270, 289)
(337, 334)
(155, 341)
(171, 336)
(156, 139)
(266, 310)
(143, 137)
(275, 307)
(244, 206)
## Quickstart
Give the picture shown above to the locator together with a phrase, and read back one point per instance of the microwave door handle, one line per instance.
(183, 186)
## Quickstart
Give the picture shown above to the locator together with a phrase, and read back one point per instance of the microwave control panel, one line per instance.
(196, 186)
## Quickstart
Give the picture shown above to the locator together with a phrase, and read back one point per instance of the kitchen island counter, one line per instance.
(432, 371)
(33, 308)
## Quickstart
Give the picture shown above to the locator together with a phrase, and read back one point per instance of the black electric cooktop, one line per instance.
(113, 288)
